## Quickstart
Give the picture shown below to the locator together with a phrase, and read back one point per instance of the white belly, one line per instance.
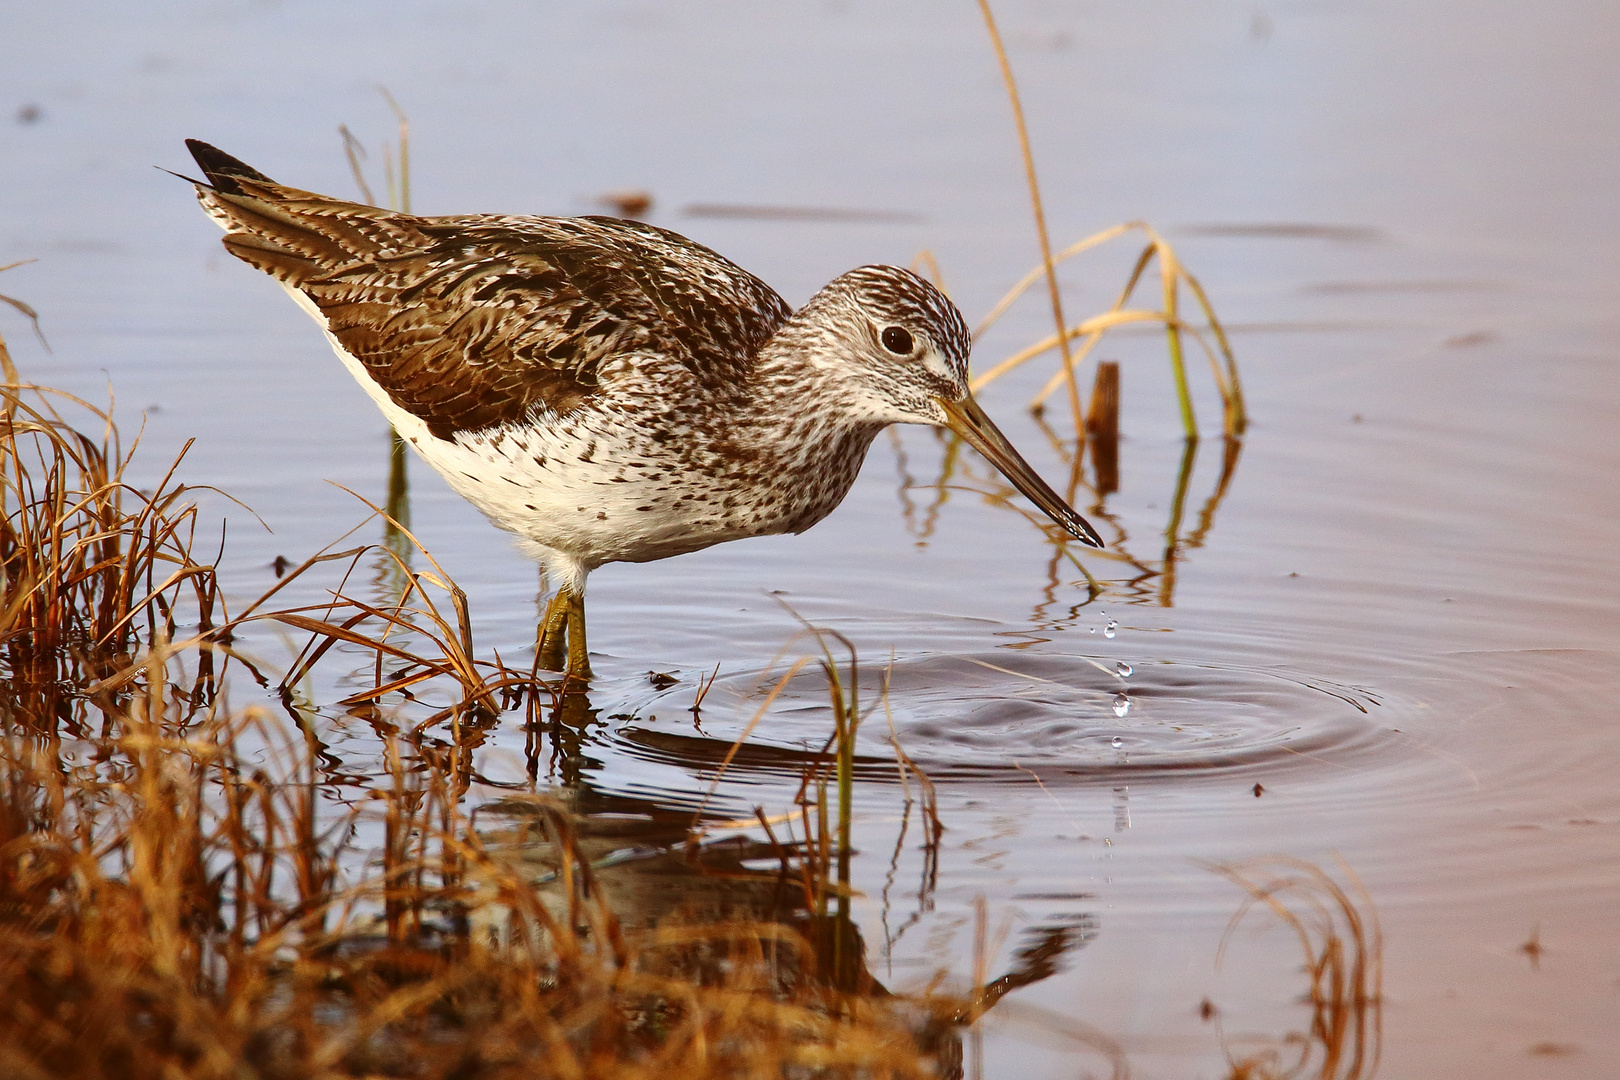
(567, 490)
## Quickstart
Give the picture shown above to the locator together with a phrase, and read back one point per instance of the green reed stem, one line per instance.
(846, 718)
(1178, 365)
(846, 798)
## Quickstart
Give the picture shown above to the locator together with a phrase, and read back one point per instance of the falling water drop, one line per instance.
(1122, 705)
(1123, 670)
(1118, 742)
(1108, 631)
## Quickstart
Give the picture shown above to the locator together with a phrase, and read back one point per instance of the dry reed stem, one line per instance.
(1173, 275)
(1048, 265)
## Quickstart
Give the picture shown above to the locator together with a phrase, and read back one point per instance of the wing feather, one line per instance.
(473, 321)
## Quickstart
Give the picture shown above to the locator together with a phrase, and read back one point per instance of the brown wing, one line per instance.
(473, 321)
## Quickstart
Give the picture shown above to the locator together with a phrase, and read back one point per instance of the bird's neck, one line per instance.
(802, 369)
(802, 402)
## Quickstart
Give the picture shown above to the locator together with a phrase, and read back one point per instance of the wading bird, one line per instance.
(606, 390)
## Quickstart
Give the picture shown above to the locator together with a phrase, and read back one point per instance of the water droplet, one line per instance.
(1122, 705)
(1118, 742)
(1108, 631)
(1123, 669)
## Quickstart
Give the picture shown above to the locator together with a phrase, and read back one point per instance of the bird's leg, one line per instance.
(553, 631)
(579, 664)
(562, 635)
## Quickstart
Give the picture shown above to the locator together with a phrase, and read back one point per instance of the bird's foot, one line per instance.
(560, 640)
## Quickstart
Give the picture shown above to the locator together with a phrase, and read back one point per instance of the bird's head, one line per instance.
(894, 349)
(894, 345)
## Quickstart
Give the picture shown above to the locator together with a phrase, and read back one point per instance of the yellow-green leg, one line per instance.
(562, 635)
(579, 661)
(553, 631)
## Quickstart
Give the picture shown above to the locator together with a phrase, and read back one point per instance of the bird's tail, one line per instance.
(222, 170)
(292, 235)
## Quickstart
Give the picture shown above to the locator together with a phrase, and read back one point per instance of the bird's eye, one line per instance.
(897, 340)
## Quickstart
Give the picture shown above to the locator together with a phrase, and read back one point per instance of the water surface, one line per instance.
(1388, 648)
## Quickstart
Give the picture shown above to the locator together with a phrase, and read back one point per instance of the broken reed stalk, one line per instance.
(1102, 426)
(1102, 416)
(1048, 266)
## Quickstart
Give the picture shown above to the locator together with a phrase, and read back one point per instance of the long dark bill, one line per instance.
(969, 421)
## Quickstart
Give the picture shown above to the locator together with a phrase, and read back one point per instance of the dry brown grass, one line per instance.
(170, 907)
(90, 567)
(180, 896)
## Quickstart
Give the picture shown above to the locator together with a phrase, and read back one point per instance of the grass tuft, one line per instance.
(186, 891)
(93, 571)
(1173, 278)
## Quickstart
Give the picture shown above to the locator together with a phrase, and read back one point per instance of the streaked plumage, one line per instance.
(604, 389)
